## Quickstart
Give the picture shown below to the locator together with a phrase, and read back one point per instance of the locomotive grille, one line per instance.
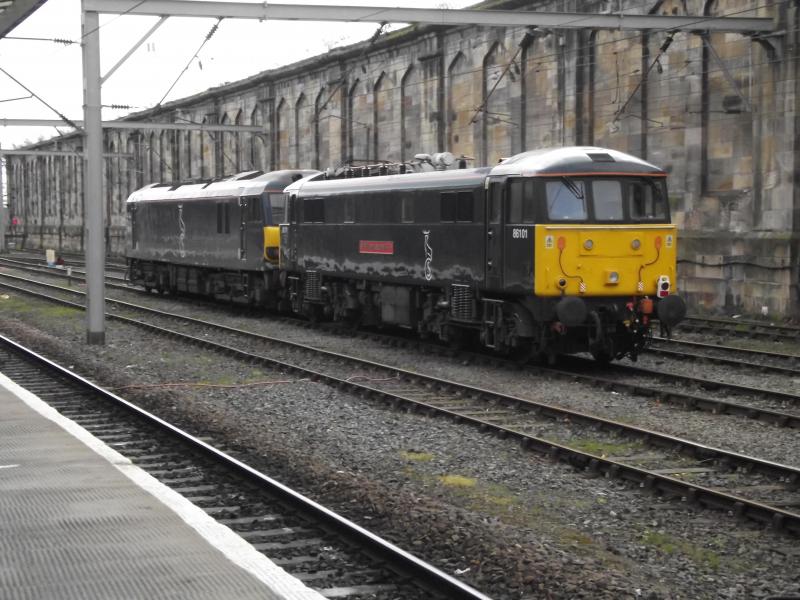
(313, 285)
(462, 302)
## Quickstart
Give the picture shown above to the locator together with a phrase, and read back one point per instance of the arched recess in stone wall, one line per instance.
(80, 199)
(153, 163)
(41, 193)
(61, 181)
(359, 121)
(540, 66)
(228, 152)
(184, 152)
(131, 165)
(207, 151)
(166, 156)
(411, 113)
(331, 112)
(383, 120)
(727, 112)
(618, 59)
(304, 140)
(237, 142)
(497, 124)
(48, 208)
(461, 95)
(321, 142)
(63, 201)
(258, 150)
(282, 124)
(122, 173)
(110, 185)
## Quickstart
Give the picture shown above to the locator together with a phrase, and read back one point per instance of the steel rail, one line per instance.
(749, 329)
(731, 349)
(57, 271)
(406, 563)
(712, 498)
(704, 383)
(75, 256)
(678, 354)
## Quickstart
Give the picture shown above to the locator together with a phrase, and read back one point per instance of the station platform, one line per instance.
(79, 520)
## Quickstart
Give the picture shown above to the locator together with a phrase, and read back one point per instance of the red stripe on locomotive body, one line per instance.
(373, 247)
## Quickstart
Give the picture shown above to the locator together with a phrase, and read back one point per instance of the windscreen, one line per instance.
(276, 208)
(587, 199)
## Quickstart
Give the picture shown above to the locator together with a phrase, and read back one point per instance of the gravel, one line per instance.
(510, 522)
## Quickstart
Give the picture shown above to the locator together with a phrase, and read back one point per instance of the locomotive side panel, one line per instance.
(422, 238)
(200, 232)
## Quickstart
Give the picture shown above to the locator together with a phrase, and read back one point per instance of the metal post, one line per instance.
(93, 180)
(2, 203)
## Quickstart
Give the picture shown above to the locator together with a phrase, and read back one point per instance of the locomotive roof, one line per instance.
(573, 160)
(241, 184)
(430, 180)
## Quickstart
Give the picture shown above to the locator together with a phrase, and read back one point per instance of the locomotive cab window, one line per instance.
(277, 208)
(646, 200)
(521, 201)
(566, 199)
(252, 208)
(607, 196)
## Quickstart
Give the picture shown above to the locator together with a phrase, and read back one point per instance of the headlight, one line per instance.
(636, 244)
(612, 277)
(588, 244)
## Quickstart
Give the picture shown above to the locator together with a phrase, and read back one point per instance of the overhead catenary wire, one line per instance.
(62, 41)
(40, 99)
(209, 35)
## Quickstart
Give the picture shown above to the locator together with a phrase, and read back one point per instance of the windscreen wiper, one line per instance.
(576, 191)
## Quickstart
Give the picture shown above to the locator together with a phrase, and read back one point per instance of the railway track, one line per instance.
(73, 273)
(762, 404)
(740, 328)
(328, 553)
(758, 360)
(70, 258)
(747, 486)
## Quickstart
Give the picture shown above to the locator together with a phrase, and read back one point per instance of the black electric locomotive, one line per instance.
(214, 238)
(552, 251)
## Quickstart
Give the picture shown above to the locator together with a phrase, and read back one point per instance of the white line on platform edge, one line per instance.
(282, 586)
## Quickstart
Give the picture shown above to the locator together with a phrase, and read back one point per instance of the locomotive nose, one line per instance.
(671, 310)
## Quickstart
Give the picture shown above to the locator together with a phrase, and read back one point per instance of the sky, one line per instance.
(238, 49)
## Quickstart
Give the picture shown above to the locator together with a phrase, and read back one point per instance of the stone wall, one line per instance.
(718, 111)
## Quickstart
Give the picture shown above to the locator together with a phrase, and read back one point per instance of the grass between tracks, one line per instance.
(544, 512)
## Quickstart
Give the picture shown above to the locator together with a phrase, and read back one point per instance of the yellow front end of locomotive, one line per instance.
(272, 244)
(604, 260)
